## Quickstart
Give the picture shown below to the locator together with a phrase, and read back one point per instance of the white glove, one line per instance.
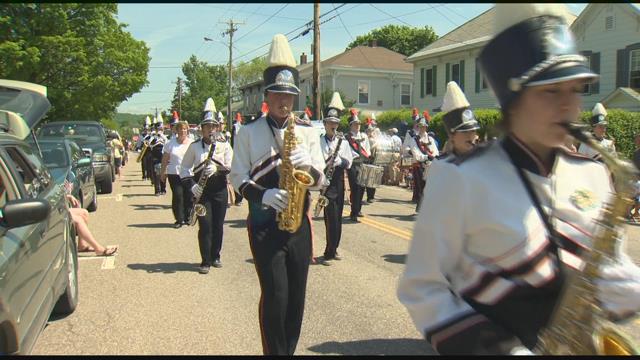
(619, 288)
(520, 350)
(276, 198)
(300, 157)
(210, 169)
(196, 190)
(337, 161)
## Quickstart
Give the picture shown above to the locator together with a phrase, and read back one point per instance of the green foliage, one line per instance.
(202, 81)
(247, 72)
(80, 52)
(622, 128)
(400, 38)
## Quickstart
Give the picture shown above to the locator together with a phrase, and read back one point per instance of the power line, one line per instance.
(262, 23)
(384, 12)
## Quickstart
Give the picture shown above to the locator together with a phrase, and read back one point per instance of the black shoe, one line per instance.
(204, 269)
(177, 225)
(185, 223)
(360, 214)
(354, 218)
(217, 263)
(337, 257)
(238, 203)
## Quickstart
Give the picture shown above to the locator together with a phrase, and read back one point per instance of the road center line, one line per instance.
(403, 234)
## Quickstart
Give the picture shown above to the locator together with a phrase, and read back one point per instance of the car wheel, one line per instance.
(69, 300)
(106, 186)
(113, 173)
(94, 203)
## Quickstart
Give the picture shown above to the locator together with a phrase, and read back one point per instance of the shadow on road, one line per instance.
(237, 224)
(165, 268)
(138, 195)
(250, 261)
(153, 226)
(396, 259)
(393, 201)
(145, 185)
(151, 207)
(375, 347)
(410, 218)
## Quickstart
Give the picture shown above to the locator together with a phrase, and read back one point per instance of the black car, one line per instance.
(70, 167)
(38, 255)
(91, 137)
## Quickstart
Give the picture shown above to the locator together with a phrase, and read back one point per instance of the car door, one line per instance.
(80, 172)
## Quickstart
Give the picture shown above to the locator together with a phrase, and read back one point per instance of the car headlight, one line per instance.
(100, 157)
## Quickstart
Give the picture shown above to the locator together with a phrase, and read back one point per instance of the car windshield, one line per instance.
(54, 154)
(81, 132)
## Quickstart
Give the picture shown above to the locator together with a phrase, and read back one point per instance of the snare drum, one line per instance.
(370, 175)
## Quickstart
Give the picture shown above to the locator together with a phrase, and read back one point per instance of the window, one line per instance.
(405, 94)
(363, 92)
(428, 81)
(608, 23)
(455, 73)
(634, 70)
(587, 88)
(7, 189)
(24, 172)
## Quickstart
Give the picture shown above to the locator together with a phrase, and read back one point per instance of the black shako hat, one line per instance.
(533, 45)
(458, 116)
(281, 76)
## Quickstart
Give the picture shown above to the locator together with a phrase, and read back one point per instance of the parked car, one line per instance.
(67, 162)
(38, 262)
(91, 137)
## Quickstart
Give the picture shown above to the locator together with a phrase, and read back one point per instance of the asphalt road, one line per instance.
(149, 299)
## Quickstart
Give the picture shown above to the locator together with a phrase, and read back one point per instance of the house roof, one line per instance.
(475, 32)
(365, 57)
(622, 91)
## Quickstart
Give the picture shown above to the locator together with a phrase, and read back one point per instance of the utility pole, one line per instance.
(316, 60)
(230, 32)
(179, 97)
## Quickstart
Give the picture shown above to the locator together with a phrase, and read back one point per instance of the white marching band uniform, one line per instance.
(420, 157)
(196, 154)
(344, 157)
(363, 140)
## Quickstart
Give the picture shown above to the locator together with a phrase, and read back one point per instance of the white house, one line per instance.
(607, 34)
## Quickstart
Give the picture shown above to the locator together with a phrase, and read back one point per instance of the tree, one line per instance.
(202, 81)
(403, 39)
(248, 72)
(80, 52)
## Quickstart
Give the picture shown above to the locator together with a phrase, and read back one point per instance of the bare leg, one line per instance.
(84, 234)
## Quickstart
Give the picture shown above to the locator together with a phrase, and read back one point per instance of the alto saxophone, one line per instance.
(145, 145)
(323, 201)
(199, 209)
(294, 181)
(579, 325)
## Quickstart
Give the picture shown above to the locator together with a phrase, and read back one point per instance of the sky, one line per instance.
(174, 32)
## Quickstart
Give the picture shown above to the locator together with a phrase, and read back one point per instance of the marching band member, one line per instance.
(406, 151)
(372, 133)
(172, 155)
(360, 152)
(236, 127)
(145, 137)
(335, 190)
(483, 270)
(213, 195)
(424, 150)
(156, 146)
(599, 125)
(459, 122)
(281, 258)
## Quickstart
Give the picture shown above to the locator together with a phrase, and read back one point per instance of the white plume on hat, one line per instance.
(599, 110)
(336, 101)
(147, 120)
(280, 52)
(454, 98)
(209, 105)
(220, 116)
(507, 15)
(154, 121)
(373, 116)
(159, 119)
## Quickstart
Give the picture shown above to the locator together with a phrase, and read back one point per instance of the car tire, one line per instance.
(106, 186)
(81, 199)
(113, 173)
(68, 301)
(94, 203)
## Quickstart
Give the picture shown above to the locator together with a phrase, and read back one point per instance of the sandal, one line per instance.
(87, 249)
(107, 252)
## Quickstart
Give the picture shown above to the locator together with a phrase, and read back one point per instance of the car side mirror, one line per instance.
(17, 213)
(86, 161)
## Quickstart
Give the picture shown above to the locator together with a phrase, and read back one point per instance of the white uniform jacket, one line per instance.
(195, 156)
(344, 153)
(361, 140)
(423, 153)
(590, 153)
(256, 157)
(481, 275)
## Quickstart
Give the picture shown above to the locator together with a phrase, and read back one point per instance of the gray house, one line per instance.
(376, 78)
(607, 34)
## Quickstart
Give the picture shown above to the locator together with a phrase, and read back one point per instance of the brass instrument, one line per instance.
(322, 201)
(145, 146)
(294, 181)
(199, 209)
(579, 325)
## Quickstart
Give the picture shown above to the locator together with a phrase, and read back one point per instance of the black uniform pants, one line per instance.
(357, 191)
(158, 185)
(211, 225)
(371, 193)
(148, 165)
(282, 263)
(419, 185)
(180, 199)
(333, 214)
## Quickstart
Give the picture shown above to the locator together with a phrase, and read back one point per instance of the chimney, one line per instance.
(373, 43)
(303, 59)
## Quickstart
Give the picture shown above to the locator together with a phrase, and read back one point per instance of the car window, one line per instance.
(30, 169)
(7, 187)
(76, 152)
(54, 154)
